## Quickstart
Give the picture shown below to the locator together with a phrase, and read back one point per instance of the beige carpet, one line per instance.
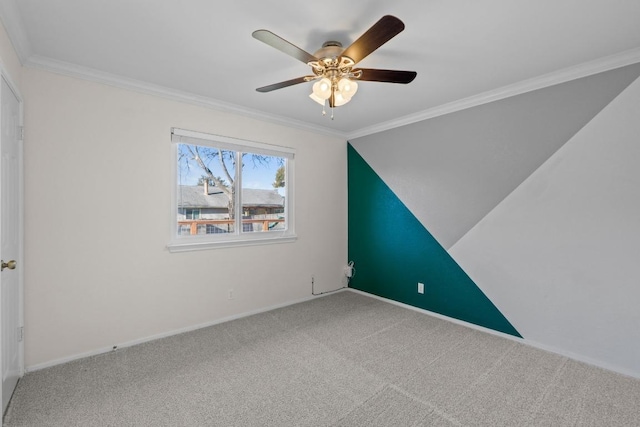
(341, 360)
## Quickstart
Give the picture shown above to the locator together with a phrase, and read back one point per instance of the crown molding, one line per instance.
(12, 21)
(90, 74)
(585, 69)
(607, 63)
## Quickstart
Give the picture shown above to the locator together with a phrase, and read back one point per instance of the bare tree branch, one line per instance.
(224, 167)
(219, 183)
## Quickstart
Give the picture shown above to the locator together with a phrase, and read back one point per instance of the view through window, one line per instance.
(229, 194)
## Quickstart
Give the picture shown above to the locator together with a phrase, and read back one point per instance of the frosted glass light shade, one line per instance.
(340, 99)
(317, 99)
(322, 88)
(347, 87)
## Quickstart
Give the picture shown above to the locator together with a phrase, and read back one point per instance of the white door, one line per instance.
(10, 241)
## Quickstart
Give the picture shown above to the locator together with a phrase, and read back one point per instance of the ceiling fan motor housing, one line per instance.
(331, 64)
(329, 50)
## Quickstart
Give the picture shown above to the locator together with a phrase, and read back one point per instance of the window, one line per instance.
(229, 192)
(193, 213)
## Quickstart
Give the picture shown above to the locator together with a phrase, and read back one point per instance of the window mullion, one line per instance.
(237, 208)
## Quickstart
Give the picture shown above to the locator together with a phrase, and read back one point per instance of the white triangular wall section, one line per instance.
(559, 256)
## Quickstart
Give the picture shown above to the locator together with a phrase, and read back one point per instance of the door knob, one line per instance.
(10, 265)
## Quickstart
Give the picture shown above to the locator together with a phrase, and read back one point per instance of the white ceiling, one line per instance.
(203, 50)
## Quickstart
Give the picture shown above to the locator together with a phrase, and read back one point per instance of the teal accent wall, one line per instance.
(392, 252)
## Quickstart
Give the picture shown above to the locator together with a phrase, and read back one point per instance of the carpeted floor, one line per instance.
(341, 360)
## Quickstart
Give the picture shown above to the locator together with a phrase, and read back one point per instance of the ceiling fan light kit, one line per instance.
(333, 67)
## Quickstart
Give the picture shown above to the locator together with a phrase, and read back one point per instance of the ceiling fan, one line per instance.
(333, 66)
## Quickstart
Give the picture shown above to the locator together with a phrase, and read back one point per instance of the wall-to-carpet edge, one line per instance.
(393, 252)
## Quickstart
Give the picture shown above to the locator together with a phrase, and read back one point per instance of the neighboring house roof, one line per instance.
(266, 198)
(193, 196)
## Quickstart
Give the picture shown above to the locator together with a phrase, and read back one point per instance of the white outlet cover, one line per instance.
(420, 288)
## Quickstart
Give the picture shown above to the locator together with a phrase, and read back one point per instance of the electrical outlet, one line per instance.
(420, 288)
(230, 293)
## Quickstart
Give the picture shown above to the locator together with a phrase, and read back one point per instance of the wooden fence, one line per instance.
(194, 223)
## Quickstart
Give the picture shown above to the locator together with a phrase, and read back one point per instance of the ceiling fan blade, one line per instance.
(387, 76)
(380, 33)
(282, 45)
(283, 84)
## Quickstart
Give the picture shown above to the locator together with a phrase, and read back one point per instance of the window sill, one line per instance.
(204, 245)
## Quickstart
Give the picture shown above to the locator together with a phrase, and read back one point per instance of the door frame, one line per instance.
(14, 88)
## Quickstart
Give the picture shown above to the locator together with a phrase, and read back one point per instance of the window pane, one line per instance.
(263, 193)
(205, 194)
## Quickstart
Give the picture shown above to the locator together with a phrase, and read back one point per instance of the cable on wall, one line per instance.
(349, 272)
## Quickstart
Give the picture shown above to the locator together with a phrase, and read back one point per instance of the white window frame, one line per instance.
(237, 238)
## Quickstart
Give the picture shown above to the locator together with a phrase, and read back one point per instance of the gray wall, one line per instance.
(451, 171)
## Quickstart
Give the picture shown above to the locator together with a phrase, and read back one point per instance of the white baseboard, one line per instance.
(103, 350)
(540, 346)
